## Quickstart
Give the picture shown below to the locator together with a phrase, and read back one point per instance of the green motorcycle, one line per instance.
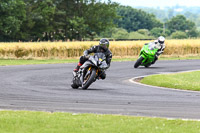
(147, 55)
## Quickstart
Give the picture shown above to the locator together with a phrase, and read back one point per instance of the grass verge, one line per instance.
(5, 62)
(185, 80)
(45, 122)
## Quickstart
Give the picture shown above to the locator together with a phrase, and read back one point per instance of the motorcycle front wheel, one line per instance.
(138, 62)
(89, 79)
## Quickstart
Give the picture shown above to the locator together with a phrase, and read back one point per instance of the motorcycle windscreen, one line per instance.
(100, 56)
(152, 46)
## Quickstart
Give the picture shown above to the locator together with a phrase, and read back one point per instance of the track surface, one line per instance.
(47, 88)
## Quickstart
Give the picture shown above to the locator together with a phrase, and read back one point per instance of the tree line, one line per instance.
(45, 20)
(53, 20)
(138, 24)
(164, 14)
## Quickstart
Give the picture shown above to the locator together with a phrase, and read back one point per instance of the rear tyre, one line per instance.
(138, 62)
(90, 80)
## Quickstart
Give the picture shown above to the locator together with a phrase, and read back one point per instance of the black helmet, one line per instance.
(104, 43)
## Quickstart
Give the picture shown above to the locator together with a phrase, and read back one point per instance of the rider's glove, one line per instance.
(159, 53)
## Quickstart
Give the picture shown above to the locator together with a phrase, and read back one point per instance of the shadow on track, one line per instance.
(92, 89)
(149, 68)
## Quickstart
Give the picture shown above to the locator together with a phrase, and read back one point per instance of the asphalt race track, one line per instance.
(47, 88)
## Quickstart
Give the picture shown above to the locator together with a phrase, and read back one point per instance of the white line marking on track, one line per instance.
(132, 80)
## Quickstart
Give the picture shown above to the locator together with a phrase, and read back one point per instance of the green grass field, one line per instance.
(185, 81)
(5, 62)
(46, 122)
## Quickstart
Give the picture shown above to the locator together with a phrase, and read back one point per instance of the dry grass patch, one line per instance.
(65, 50)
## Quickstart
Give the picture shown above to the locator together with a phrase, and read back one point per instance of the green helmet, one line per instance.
(104, 43)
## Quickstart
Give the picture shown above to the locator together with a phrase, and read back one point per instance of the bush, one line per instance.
(179, 35)
(143, 31)
(193, 33)
(120, 34)
(156, 32)
(136, 35)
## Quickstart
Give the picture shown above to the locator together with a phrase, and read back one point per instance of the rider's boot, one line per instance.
(156, 58)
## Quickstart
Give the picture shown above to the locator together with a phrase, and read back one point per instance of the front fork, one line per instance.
(144, 58)
(89, 69)
(88, 72)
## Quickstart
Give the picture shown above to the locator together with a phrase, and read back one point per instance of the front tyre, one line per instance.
(138, 62)
(89, 79)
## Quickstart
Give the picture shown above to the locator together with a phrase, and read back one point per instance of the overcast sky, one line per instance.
(158, 3)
